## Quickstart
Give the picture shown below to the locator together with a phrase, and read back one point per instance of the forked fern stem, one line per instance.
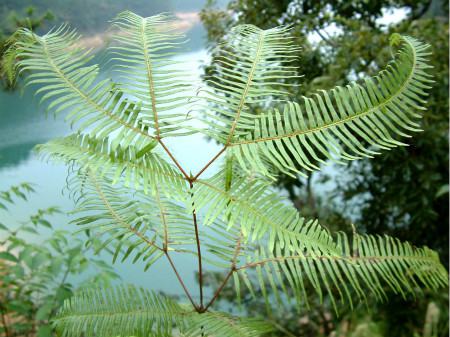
(174, 159)
(209, 163)
(199, 308)
(219, 289)
(233, 268)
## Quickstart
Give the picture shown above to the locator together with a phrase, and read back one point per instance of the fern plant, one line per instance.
(135, 195)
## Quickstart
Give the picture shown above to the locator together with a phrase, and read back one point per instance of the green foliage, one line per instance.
(7, 39)
(125, 311)
(364, 118)
(35, 275)
(138, 203)
(419, 213)
(130, 311)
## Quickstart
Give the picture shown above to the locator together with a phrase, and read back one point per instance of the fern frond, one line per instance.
(369, 265)
(248, 64)
(143, 57)
(121, 311)
(211, 324)
(138, 168)
(131, 311)
(141, 225)
(343, 123)
(258, 212)
(226, 245)
(61, 69)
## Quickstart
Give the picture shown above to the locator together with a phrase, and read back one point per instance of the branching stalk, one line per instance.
(186, 291)
(188, 178)
(230, 272)
(209, 163)
(199, 251)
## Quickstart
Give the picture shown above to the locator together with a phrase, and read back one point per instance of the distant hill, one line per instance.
(90, 16)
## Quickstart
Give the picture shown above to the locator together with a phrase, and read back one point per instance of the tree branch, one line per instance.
(324, 38)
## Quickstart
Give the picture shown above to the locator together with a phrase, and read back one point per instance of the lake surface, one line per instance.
(23, 124)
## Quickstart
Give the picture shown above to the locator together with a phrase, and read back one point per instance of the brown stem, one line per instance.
(227, 277)
(219, 290)
(188, 178)
(199, 252)
(3, 314)
(209, 163)
(181, 281)
(61, 284)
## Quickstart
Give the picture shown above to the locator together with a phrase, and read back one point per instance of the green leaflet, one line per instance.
(250, 205)
(122, 311)
(131, 311)
(136, 227)
(346, 123)
(372, 266)
(141, 170)
(60, 67)
(251, 61)
(222, 324)
(143, 56)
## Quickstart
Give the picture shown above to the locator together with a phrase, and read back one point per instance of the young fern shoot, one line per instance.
(133, 193)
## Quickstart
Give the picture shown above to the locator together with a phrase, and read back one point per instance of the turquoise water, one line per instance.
(23, 124)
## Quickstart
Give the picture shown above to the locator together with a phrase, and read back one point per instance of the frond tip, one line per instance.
(250, 65)
(143, 52)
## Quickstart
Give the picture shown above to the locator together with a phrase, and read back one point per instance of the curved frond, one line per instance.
(139, 168)
(248, 64)
(369, 265)
(60, 66)
(122, 311)
(345, 122)
(144, 58)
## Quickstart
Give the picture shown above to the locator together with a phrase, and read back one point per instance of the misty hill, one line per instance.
(90, 16)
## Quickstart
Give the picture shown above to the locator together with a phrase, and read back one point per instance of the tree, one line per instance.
(35, 272)
(14, 22)
(141, 204)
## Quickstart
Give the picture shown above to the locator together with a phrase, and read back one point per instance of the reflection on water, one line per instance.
(15, 155)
